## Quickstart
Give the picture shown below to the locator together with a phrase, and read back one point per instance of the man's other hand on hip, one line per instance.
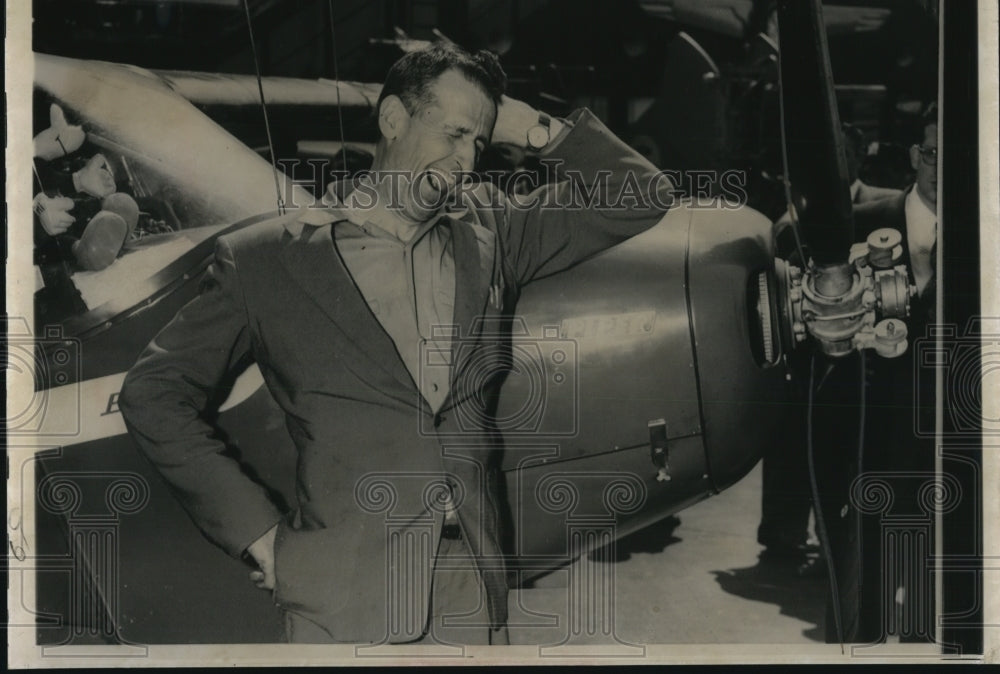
(262, 551)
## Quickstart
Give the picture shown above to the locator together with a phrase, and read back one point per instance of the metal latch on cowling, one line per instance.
(658, 448)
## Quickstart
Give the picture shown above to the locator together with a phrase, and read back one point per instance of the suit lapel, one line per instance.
(313, 261)
(311, 258)
(474, 249)
(473, 274)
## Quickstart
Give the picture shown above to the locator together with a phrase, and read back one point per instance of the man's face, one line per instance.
(923, 159)
(437, 141)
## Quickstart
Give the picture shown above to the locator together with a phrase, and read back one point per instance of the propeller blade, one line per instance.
(816, 163)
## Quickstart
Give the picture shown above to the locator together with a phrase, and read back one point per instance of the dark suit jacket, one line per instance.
(372, 454)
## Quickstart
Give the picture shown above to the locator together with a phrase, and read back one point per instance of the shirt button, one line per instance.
(434, 387)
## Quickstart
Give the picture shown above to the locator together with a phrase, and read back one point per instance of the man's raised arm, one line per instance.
(604, 193)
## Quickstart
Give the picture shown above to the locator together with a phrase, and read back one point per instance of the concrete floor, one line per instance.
(699, 582)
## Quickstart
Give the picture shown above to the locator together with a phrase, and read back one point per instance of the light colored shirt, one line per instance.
(410, 288)
(921, 235)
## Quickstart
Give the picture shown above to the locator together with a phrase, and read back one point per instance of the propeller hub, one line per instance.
(838, 304)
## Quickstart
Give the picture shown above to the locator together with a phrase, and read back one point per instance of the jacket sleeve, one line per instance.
(165, 399)
(603, 193)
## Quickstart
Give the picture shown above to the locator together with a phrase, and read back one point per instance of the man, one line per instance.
(339, 307)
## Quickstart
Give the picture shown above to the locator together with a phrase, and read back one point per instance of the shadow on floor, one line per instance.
(650, 540)
(777, 582)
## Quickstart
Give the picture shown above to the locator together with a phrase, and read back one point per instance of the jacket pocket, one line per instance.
(311, 576)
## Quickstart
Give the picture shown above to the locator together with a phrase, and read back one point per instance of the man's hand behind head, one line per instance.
(514, 119)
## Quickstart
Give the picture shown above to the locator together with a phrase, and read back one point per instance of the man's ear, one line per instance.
(914, 157)
(393, 117)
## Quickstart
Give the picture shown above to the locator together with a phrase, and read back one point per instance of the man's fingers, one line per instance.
(262, 551)
(264, 581)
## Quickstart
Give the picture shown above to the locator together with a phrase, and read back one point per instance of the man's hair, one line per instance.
(411, 76)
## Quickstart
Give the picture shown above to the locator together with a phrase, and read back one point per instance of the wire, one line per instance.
(263, 107)
(38, 177)
(821, 532)
(336, 77)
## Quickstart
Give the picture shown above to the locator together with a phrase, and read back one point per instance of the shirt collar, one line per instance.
(339, 209)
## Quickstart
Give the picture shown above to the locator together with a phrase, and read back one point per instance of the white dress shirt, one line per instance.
(921, 235)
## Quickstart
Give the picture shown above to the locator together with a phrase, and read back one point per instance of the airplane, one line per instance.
(641, 381)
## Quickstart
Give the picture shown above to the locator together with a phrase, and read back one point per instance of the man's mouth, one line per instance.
(433, 187)
(436, 182)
